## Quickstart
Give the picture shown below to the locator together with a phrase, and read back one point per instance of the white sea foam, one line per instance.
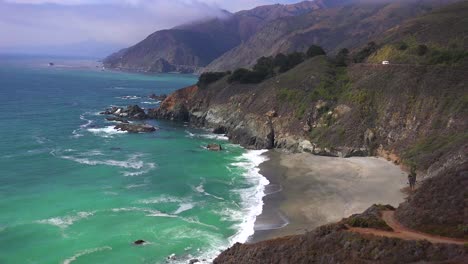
(94, 152)
(129, 164)
(163, 199)
(76, 133)
(133, 186)
(252, 198)
(207, 136)
(184, 207)
(200, 188)
(106, 132)
(147, 168)
(190, 134)
(194, 220)
(129, 97)
(65, 221)
(88, 122)
(151, 103)
(214, 136)
(147, 211)
(251, 204)
(85, 252)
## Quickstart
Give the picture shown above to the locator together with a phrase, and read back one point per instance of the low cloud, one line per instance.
(117, 22)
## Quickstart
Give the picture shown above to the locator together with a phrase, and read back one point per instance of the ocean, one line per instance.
(74, 190)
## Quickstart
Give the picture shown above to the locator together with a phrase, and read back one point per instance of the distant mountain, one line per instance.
(349, 25)
(188, 47)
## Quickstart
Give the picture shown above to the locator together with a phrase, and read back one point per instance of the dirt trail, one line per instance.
(405, 233)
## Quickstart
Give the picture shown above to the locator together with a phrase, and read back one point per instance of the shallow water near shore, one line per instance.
(74, 190)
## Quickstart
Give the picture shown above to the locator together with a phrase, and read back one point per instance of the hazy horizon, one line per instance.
(96, 28)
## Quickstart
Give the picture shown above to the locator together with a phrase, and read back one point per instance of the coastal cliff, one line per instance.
(413, 112)
(365, 109)
(414, 115)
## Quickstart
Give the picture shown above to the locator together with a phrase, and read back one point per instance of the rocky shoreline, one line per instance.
(396, 120)
(401, 123)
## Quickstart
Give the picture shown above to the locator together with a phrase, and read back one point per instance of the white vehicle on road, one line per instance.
(385, 62)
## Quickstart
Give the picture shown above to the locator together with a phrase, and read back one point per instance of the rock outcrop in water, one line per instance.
(214, 147)
(135, 128)
(131, 112)
(160, 97)
(139, 242)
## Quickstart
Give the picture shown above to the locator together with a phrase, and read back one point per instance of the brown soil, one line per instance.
(403, 232)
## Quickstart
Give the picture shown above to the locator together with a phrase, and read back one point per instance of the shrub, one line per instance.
(315, 50)
(292, 61)
(447, 56)
(342, 57)
(365, 52)
(210, 77)
(422, 50)
(280, 60)
(265, 65)
(402, 46)
(246, 76)
(238, 74)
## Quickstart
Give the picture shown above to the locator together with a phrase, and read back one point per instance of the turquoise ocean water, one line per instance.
(73, 190)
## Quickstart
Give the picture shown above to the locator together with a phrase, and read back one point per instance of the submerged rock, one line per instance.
(158, 97)
(214, 147)
(192, 261)
(135, 128)
(139, 242)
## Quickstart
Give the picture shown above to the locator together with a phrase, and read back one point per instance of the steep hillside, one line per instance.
(188, 47)
(335, 244)
(414, 114)
(363, 109)
(349, 25)
(440, 37)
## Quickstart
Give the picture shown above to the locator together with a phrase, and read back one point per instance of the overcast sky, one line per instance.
(26, 23)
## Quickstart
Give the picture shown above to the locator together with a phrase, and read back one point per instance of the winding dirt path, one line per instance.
(399, 231)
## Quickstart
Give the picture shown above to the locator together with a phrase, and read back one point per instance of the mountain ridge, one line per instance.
(188, 47)
(349, 25)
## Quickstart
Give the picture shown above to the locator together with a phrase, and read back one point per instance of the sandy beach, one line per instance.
(307, 191)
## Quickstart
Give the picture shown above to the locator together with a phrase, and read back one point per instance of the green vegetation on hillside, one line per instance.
(332, 82)
(266, 67)
(210, 77)
(424, 151)
(410, 51)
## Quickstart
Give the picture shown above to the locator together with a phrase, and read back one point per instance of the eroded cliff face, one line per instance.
(410, 114)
